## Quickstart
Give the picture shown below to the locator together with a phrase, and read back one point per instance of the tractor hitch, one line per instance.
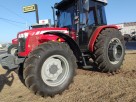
(10, 62)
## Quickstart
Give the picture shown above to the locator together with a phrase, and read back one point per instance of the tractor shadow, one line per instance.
(6, 79)
(92, 69)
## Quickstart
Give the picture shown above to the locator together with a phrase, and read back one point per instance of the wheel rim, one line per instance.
(115, 51)
(13, 51)
(55, 70)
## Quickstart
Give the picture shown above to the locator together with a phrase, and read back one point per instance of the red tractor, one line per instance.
(50, 56)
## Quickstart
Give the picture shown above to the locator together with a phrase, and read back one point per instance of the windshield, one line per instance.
(66, 18)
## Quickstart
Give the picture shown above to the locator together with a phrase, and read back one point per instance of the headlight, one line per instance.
(20, 36)
(23, 35)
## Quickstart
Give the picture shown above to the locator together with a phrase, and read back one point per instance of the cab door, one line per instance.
(92, 15)
(87, 22)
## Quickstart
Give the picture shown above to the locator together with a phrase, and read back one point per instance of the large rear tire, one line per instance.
(50, 69)
(109, 50)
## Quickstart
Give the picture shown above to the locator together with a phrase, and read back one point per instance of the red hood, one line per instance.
(44, 30)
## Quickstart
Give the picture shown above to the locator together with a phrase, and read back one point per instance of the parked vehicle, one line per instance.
(128, 30)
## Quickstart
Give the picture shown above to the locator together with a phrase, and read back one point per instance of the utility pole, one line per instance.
(36, 12)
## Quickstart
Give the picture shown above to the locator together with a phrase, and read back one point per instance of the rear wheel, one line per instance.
(109, 50)
(50, 69)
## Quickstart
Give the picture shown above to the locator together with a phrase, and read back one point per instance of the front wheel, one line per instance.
(109, 50)
(12, 49)
(50, 69)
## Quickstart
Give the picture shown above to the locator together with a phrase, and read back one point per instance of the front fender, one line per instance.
(72, 44)
(15, 41)
(96, 34)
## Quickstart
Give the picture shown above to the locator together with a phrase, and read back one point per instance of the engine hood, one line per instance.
(40, 31)
(44, 30)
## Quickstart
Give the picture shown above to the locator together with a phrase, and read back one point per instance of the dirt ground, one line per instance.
(88, 86)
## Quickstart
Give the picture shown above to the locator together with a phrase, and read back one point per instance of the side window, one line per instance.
(89, 15)
(84, 12)
(87, 12)
(66, 18)
(101, 15)
(91, 20)
(82, 19)
(104, 15)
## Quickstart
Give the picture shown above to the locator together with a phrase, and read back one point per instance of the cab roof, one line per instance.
(64, 4)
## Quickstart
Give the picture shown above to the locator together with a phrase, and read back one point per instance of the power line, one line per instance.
(9, 10)
(14, 24)
(11, 21)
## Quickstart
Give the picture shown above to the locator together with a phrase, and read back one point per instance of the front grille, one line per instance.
(21, 44)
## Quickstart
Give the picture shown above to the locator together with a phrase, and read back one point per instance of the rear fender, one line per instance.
(72, 44)
(96, 34)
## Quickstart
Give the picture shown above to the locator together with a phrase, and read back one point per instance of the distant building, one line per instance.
(128, 30)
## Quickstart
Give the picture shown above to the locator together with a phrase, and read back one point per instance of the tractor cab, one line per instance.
(83, 16)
